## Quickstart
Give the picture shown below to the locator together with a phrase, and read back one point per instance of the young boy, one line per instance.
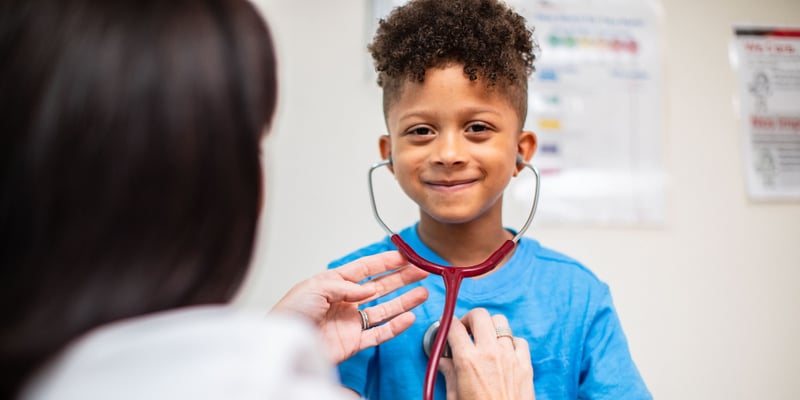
(454, 77)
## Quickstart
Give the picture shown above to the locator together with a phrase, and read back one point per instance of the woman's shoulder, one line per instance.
(198, 353)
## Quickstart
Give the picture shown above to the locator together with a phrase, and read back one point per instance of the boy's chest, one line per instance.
(554, 341)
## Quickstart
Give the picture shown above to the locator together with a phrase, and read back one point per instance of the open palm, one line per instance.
(331, 300)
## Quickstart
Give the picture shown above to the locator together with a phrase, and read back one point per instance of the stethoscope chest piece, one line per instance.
(428, 338)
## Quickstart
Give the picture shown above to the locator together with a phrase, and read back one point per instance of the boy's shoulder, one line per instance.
(378, 247)
(550, 258)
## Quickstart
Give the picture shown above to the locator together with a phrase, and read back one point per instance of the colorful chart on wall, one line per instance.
(595, 103)
(767, 64)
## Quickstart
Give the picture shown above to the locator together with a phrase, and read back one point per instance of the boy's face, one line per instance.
(454, 144)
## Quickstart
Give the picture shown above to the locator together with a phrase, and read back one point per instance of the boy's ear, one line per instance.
(385, 146)
(526, 147)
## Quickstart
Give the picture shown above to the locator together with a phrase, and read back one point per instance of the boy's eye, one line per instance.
(477, 128)
(421, 131)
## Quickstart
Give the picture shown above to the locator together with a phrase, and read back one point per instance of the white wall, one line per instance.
(710, 301)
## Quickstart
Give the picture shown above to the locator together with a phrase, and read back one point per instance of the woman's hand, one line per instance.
(331, 299)
(490, 365)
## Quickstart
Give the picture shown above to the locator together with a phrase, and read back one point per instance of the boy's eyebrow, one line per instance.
(422, 113)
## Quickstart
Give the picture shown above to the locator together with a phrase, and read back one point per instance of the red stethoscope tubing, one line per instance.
(452, 277)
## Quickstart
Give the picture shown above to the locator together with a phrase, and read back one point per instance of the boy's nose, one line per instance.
(449, 150)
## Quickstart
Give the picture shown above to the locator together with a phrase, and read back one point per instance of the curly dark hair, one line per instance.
(491, 40)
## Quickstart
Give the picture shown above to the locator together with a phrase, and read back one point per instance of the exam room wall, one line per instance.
(710, 301)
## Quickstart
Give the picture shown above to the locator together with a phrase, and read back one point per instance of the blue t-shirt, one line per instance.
(565, 313)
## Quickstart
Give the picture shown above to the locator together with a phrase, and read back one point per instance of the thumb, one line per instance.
(446, 367)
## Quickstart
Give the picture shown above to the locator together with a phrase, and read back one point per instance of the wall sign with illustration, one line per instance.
(767, 64)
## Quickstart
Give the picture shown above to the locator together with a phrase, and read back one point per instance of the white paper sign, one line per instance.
(767, 64)
(595, 102)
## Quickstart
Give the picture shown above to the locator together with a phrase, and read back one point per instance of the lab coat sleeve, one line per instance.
(207, 353)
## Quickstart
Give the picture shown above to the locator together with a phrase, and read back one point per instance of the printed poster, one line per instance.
(767, 65)
(595, 103)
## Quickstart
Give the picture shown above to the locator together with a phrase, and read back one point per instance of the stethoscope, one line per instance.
(451, 275)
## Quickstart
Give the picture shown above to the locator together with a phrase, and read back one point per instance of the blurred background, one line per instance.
(707, 286)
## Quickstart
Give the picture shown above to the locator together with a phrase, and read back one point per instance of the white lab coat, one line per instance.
(196, 353)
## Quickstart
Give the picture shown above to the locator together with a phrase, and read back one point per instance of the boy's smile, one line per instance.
(453, 144)
(450, 185)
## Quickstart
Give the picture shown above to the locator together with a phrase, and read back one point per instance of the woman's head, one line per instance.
(129, 160)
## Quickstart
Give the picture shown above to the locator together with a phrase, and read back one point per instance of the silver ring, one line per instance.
(503, 332)
(364, 320)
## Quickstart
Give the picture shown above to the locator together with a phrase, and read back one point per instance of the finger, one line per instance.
(368, 266)
(337, 290)
(523, 353)
(503, 331)
(379, 334)
(385, 311)
(458, 338)
(523, 356)
(481, 325)
(390, 282)
(447, 368)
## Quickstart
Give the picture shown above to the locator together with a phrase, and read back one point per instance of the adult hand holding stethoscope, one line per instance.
(488, 362)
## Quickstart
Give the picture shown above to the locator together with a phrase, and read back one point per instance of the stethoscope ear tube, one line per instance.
(534, 203)
(375, 212)
(390, 232)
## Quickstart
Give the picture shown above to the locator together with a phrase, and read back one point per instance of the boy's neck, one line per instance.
(464, 244)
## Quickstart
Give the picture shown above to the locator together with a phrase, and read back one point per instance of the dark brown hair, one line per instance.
(130, 177)
(488, 38)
